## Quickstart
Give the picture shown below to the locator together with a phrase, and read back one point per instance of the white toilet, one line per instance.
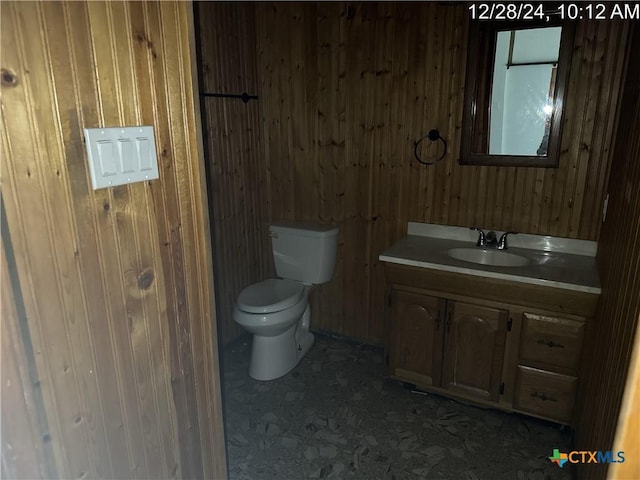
(276, 311)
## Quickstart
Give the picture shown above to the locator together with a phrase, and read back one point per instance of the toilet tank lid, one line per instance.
(305, 229)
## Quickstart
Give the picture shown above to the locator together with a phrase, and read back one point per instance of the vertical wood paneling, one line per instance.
(235, 161)
(45, 294)
(598, 174)
(116, 282)
(627, 437)
(328, 174)
(611, 338)
(23, 448)
(356, 269)
(403, 75)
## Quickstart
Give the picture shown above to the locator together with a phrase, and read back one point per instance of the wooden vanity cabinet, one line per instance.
(451, 345)
(446, 333)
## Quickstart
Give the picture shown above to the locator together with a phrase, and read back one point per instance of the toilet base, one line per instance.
(274, 357)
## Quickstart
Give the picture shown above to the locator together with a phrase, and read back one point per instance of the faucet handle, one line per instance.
(502, 243)
(482, 239)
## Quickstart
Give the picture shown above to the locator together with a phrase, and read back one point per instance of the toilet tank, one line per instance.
(304, 252)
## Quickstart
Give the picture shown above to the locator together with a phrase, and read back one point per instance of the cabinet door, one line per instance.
(416, 337)
(474, 350)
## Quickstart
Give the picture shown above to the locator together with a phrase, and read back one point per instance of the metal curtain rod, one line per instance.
(245, 97)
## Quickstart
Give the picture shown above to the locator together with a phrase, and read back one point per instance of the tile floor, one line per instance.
(335, 416)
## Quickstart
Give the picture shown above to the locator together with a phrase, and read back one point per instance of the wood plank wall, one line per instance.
(116, 283)
(23, 452)
(627, 436)
(237, 179)
(611, 340)
(346, 88)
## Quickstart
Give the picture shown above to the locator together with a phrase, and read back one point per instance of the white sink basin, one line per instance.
(496, 258)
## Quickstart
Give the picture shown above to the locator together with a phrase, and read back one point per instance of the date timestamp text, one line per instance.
(564, 11)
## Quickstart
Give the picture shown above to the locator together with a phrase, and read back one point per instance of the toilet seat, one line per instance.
(268, 296)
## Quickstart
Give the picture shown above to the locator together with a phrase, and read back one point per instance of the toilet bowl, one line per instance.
(276, 311)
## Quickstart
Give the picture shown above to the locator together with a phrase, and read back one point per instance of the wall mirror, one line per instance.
(514, 93)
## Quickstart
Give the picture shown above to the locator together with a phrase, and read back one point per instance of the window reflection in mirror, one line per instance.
(516, 77)
(522, 91)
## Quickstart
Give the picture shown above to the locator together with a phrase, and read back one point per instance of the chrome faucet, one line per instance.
(502, 243)
(490, 239)
(482, 239)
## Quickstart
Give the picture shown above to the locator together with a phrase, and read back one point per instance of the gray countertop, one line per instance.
(557, 269)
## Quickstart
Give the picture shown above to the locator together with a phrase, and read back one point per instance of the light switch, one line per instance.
(121, 155)
(127, 160)
(107, 162)
(143, 153)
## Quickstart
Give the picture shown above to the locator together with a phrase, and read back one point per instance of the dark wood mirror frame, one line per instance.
(477, 96)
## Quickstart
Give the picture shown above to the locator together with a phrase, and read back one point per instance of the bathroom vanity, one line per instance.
(500, 330)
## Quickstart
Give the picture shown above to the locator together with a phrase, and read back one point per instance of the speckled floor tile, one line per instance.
(336, 417)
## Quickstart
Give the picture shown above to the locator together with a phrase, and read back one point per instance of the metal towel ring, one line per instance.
(433, 135)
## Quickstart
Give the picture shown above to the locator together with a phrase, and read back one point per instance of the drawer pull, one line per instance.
(544, 397)
(550, 343)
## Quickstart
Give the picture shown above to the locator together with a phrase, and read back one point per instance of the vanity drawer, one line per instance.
(551, 342)
(546, 394)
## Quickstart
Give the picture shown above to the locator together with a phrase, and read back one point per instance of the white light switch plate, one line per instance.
(121, 155)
